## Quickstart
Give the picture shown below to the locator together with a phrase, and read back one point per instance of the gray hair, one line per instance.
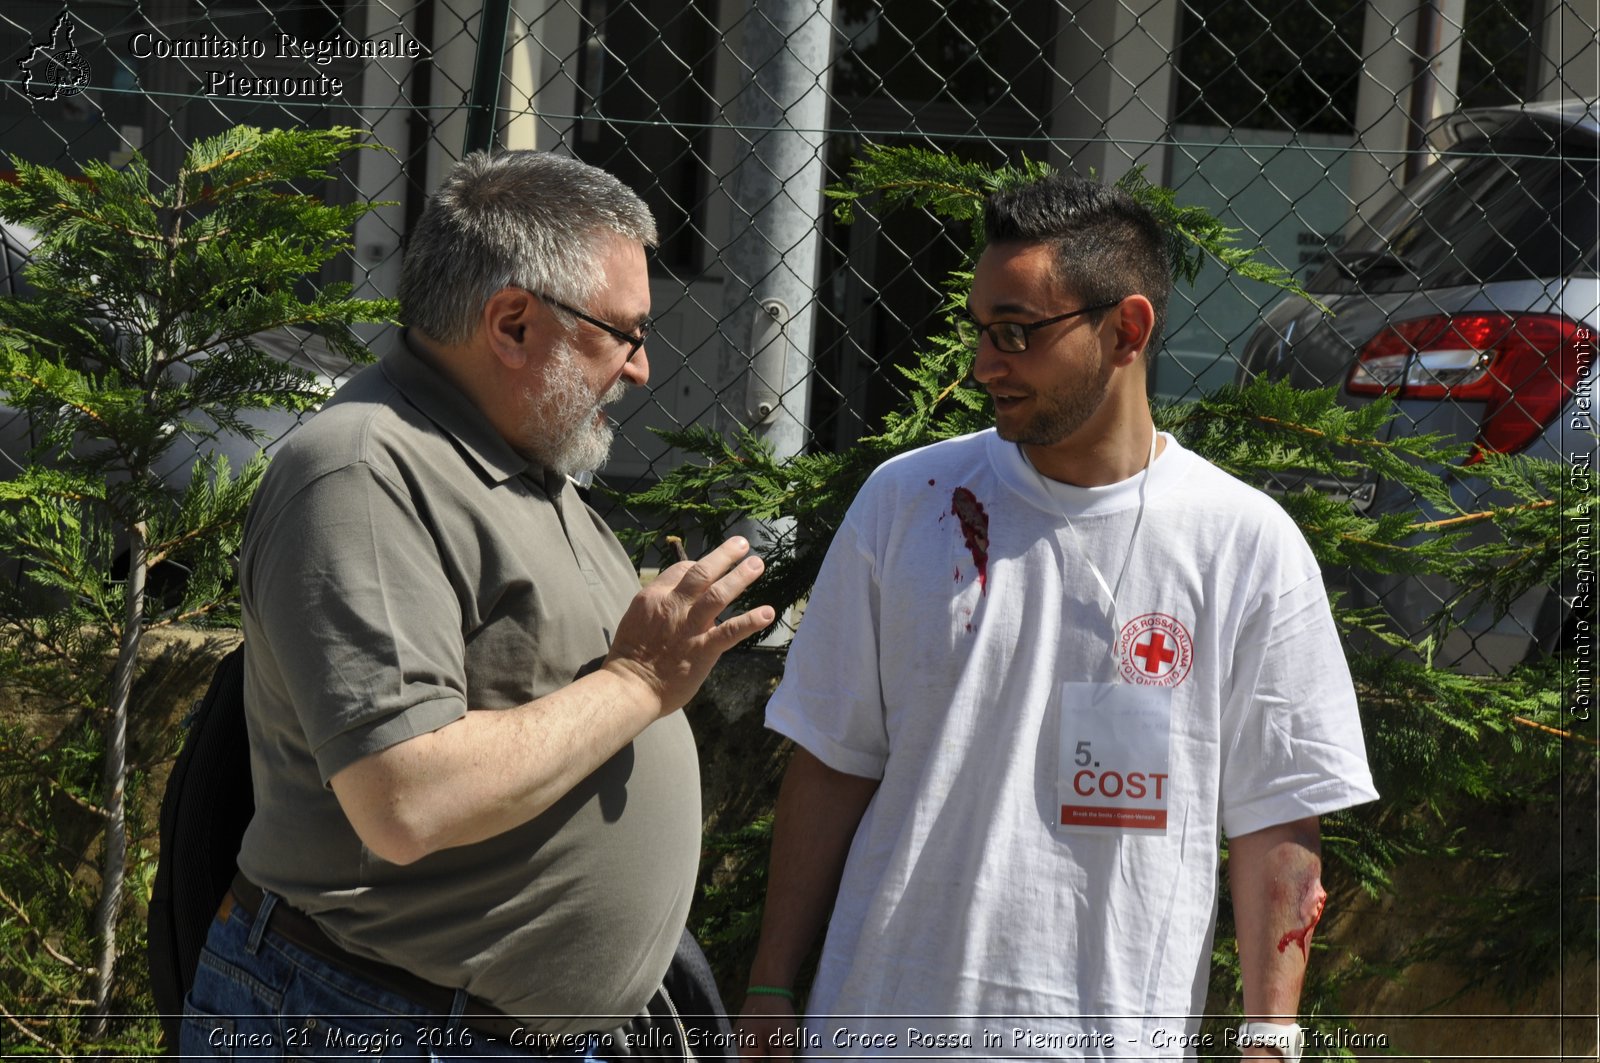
(524, 218)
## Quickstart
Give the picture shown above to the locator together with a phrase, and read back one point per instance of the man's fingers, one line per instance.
(714, 582)
(670, 636)
(721, 594)
(735, 630)
(713, 566)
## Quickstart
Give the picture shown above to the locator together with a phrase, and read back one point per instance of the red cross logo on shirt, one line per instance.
(1155, 650)
(1154, 653)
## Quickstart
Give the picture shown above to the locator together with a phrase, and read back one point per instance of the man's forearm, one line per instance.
(491, 770)
(817, 815)
(1275, 876)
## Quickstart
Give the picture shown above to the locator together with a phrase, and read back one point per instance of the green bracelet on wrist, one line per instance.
(770, 991)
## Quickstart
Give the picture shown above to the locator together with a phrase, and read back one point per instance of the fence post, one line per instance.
(779, 116)
(484, 100)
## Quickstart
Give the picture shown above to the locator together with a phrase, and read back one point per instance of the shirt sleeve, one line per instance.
(830, 701)
(346, 585)
(1296, 748)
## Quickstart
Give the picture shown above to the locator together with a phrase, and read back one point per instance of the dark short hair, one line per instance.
(1106, 244)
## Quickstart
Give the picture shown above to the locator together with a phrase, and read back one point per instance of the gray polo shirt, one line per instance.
(402, 566)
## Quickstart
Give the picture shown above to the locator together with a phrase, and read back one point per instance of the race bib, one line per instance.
(1115, 758)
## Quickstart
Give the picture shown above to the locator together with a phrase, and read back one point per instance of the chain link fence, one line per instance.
(1320, 130)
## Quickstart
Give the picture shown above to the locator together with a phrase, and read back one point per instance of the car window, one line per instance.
(15, 242)
(1511, 210)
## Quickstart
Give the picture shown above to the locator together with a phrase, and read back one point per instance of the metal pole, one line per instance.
(779, 116)
(1424, 86)
(485, 98)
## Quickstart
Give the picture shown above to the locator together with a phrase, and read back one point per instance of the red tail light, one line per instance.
(1521, 366)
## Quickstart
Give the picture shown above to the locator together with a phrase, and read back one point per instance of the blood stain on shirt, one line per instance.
(930, 483)
(975, 529)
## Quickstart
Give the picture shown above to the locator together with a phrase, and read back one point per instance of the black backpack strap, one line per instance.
(207, 806)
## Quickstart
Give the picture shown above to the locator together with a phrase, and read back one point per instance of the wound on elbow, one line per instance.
(1311, 905)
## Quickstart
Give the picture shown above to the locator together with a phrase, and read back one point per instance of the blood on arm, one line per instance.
(1315, 899)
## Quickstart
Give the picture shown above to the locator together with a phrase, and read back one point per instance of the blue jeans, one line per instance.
(258, 996)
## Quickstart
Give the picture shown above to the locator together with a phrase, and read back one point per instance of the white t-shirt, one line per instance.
(954, 604)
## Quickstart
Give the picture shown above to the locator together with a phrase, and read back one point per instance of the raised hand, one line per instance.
(669, 638)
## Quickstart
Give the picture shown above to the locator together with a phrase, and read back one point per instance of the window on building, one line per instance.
(1243, 64)
(1499, 52)
(645, 73)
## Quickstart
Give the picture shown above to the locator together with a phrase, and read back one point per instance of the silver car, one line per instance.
(1472, 298)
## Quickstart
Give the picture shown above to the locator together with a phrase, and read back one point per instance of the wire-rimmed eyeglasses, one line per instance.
(634, 341)
(1012, 336)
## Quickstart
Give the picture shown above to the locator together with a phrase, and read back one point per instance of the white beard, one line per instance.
(561, 429)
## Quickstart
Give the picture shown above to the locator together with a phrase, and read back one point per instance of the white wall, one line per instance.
(1571, 67)
(1114, 75)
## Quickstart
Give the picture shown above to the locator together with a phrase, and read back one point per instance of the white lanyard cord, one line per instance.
(1110, 592)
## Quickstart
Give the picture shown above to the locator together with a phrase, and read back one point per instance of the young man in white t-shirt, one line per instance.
(1042, 668)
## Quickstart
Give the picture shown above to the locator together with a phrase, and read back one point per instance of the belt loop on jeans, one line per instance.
(458, 1007)
(263, 915)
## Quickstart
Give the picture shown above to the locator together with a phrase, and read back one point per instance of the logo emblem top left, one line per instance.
(55, 69)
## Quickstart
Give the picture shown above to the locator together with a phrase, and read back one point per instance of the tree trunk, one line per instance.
(114, 859)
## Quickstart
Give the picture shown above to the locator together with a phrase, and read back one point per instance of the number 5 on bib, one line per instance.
(1114, 772)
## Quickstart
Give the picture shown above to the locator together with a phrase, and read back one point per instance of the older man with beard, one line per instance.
(477, 804)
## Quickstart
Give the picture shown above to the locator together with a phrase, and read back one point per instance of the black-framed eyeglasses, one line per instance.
(634, 341)
(1012, 336)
